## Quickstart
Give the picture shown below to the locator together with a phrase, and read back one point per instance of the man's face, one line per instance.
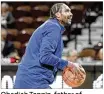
(66, 15)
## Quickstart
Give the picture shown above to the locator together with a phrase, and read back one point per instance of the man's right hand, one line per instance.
(76, 69)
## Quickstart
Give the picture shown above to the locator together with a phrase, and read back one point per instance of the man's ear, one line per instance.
(58, 15)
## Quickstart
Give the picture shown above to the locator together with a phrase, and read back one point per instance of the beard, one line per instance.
(68, 23)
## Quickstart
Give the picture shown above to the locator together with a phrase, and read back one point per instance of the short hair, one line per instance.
(5, 5)
(55, 8)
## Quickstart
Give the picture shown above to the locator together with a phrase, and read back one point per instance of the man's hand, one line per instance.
(76, 69)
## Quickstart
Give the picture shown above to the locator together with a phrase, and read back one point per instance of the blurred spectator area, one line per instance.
(29, 15)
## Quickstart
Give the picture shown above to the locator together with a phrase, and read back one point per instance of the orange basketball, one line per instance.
(71, 79)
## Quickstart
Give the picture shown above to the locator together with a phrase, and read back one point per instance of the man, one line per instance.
(7, 19)
(8, 51)
(42, 58)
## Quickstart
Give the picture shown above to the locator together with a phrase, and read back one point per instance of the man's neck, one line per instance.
(61, 23)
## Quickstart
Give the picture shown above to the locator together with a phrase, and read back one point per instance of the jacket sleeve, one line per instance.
(48, 47)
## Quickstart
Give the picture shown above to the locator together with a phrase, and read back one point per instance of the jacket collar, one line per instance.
(61, 26)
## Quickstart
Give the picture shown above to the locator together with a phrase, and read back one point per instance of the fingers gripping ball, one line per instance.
(72, 79)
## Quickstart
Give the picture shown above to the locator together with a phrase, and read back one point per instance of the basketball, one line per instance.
(72, 79)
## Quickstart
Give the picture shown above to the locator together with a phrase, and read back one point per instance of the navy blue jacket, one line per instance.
(42, 58)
